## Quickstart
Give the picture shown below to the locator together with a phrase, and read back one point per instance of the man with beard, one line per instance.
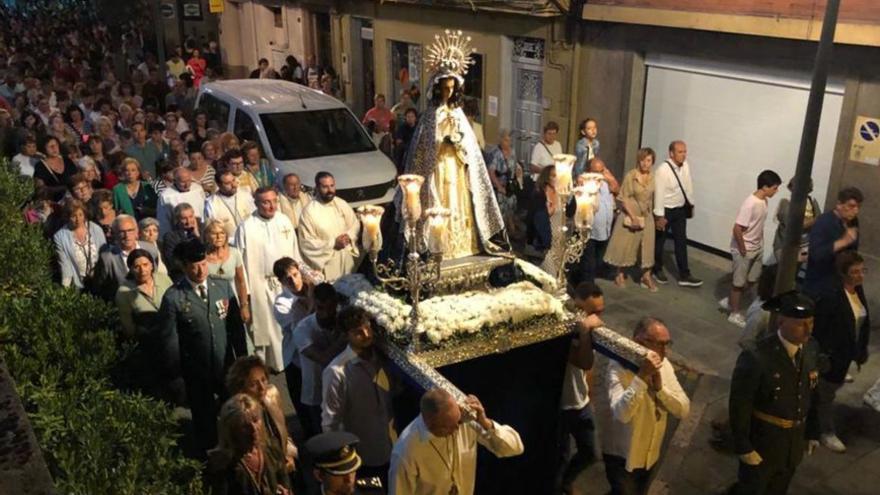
(328, 231)
(292, 198)
(263, 238)
(229, 204)
(317, 342)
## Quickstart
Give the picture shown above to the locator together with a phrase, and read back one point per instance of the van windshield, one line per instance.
(316, 133)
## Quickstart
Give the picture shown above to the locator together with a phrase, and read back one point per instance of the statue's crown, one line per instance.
(450, 54)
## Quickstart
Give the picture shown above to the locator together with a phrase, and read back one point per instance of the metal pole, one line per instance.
(788, 262)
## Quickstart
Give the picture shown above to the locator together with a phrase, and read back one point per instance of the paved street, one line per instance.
(706, 343)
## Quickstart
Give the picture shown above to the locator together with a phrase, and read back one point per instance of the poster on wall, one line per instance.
(866, 141)
(192, 10)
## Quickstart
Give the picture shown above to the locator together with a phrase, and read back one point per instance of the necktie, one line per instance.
(203, 292)
(797, 359)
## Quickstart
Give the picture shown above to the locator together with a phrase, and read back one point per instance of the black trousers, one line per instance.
(205, 399)
(293, 375)
(624, 482)
(676, 219)
(763, 479)
(577, 423)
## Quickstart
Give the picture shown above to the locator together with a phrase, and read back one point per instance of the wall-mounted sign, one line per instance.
(866, 141)
(192, 10)
(167, 10)
(215, 6)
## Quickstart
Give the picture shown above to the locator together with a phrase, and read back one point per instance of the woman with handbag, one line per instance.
(633, 233)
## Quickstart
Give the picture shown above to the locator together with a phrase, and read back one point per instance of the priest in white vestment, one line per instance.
(435, 455)
(293, 199)
(263, 238)
(328, 232)
(231, 205)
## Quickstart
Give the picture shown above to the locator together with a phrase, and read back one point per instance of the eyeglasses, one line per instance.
(658, 343)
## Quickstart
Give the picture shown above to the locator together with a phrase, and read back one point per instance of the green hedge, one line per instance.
(61, 348)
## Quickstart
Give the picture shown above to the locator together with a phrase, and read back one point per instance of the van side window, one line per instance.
(217, 110)
(245, 128)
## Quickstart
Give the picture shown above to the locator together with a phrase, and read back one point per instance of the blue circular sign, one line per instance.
(870, 131)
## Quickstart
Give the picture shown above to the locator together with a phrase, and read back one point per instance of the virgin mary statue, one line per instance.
(445, 152)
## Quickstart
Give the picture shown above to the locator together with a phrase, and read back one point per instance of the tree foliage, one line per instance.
(61, 348)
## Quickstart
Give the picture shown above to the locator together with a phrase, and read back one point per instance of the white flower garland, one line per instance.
(443, 317)
(390, 312)
(544, 279)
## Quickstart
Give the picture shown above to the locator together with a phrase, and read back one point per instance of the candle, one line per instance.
(437, 229)
(583, 216)
(563, 173)
(412, 203)
(371, 216)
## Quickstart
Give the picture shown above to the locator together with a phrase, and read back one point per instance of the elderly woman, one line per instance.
(502, 169)
(256, 165)
(138, 300)
(249, 375)
(842, 329)
(103, 213)
(77, 245)
(79, 187)
(148, 231)
(246, 461)
(633, 233)
(226, 262)
(54, 170)
(89, 169)
(134, 196)
(209, 151)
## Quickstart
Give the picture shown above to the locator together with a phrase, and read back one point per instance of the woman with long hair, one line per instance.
(245, 461)
(250, 375)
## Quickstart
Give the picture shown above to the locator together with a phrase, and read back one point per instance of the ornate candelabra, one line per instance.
(570, 246)
(415, 274)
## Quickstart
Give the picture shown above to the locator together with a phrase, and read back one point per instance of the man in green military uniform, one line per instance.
(772, 400)
(201, 333)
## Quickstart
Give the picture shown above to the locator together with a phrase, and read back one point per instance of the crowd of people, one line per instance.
(222, 274)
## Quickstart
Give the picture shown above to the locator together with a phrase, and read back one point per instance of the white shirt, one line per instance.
(199, 287)
(171, 197)
(25, 164)
(542, 155)
(422, 464)
(667, 194)
(289, 311)
(304, 335)
(575, 391)
(639, 414)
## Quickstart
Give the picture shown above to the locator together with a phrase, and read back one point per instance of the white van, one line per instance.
(304, 131)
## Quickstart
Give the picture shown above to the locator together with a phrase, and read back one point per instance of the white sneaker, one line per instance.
(737, 319)
(724, 304)
(849, 378)
(832, 443)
